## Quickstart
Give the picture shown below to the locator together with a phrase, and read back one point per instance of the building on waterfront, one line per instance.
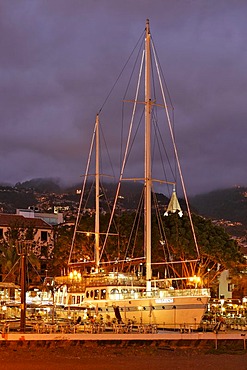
(52, 219)
(15, 228)
(225, 285)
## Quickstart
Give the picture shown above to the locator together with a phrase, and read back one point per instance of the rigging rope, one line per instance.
(176, 155)
(120, 74)
(82, 192)
(126, 153)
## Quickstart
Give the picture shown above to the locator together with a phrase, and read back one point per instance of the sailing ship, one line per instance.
(113, 295)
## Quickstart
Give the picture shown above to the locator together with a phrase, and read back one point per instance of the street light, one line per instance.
(23, 249)
(208, 271)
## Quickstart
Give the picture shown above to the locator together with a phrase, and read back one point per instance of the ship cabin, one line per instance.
(107, 293)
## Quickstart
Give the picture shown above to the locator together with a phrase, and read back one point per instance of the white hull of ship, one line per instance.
(178, 312)
(171, 312)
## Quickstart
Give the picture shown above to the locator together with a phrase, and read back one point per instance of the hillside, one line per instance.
(228, 204)
(46, 193)
(224, 204)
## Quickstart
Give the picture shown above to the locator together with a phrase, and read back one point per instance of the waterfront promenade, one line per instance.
(121, 333)
(111, 350)
(212, 339)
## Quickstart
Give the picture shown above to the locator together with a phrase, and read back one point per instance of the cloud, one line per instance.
(60, 59)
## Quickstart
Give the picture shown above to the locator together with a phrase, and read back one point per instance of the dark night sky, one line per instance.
(60, 58)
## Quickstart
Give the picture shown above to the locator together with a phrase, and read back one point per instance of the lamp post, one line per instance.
(23, 249)
(208, 270)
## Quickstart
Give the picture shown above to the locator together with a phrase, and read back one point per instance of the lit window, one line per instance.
(96, 294)
(103, 294)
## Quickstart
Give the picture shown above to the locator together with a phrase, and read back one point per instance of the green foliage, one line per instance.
(217, 250)
(9, 257)
(8, 262)
(62, 242)
(217, 244)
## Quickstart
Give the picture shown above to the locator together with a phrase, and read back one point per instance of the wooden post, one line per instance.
(23, 290)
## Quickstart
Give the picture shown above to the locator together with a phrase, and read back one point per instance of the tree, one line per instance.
(172, 239)
(9, 257)
(217, 250)
(8, 262)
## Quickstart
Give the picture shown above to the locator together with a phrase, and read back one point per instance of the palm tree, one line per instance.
(10, 256)
(9, 262)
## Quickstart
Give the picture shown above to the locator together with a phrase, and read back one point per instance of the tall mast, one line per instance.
(147, 175)
(97, 195)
